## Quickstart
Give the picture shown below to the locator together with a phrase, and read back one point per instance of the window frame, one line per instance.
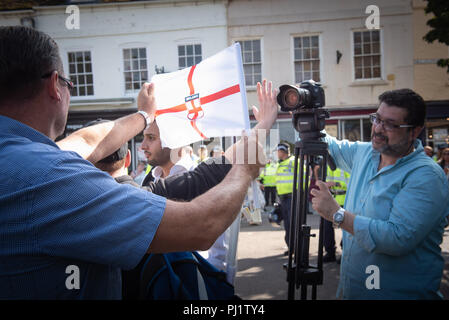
(320, 55)
(131, 47)
(341, 129)
(252, 86)
(381, 53)
(185, 44)
(69, 75)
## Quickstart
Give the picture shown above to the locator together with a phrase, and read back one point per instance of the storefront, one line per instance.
(437, 125)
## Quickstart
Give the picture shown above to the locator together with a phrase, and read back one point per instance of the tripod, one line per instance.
(300, 273)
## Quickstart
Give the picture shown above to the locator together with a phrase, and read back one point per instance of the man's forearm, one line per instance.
(348, 222)
(97, 142)
(188, 185)
(197, 224)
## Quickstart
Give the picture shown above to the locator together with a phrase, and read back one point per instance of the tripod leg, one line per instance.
(292, 249)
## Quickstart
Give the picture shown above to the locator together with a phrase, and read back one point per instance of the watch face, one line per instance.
(338, 217)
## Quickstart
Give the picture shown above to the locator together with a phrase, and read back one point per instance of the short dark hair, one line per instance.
(25, 56)
(409, 100)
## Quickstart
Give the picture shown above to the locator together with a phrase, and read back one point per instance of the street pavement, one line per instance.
(260, 258)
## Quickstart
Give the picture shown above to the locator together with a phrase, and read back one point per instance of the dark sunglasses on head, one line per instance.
(67, 81)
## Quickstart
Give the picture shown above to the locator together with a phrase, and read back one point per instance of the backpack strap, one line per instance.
(202, 291)
(148, 272)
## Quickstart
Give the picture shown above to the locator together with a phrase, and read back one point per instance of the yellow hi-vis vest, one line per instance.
(268, 175)
(342, 178)
(284, 176)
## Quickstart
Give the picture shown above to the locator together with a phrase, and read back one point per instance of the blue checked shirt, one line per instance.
(64, 223)
(400, 218)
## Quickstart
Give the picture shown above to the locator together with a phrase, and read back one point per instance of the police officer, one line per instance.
(268, 179)
(284, 184)
(338, 181)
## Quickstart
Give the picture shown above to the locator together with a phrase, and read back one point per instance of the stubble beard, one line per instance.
(395, 150)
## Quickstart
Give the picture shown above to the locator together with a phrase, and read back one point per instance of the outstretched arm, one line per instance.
(188, 185)
(97, 142)
(195, 225)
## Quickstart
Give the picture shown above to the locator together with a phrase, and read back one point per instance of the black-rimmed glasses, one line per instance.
(69, 83)
(387, 125)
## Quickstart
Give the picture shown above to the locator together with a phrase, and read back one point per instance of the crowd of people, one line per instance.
(72, 203)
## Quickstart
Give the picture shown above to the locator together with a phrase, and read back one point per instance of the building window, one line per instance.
(367, 54)
(189, 55)
(80, 72)
(135, 68)
(252, 61)
(306, 58)
(355, 129)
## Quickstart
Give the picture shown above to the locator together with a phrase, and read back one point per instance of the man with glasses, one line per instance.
(395, 208)
(66, 228)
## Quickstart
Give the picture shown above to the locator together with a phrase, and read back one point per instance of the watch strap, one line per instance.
(146, 117)
(340, 213)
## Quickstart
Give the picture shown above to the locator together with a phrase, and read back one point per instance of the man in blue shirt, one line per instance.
(66, 228)
(394, 213)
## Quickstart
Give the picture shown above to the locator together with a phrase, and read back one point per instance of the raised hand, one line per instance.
(146, 100)
(266, 114)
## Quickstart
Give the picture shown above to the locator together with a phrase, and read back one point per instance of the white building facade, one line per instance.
(356, 49)
(336, 43)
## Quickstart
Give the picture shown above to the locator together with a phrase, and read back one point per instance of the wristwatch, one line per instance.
(147, 118)
(338, 217)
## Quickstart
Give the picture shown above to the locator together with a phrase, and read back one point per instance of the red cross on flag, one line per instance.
(203, 101)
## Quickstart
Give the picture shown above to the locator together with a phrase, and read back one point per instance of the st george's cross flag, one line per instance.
(203, 101)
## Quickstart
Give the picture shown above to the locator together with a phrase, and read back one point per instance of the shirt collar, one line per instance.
(416, 144)
(16, 128)
(184, 164)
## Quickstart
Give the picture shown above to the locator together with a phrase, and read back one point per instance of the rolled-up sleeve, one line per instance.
(362, 233)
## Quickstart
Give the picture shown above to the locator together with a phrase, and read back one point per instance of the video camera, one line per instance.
(306, 102)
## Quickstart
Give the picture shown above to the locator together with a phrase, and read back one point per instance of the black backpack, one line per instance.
(182, 276)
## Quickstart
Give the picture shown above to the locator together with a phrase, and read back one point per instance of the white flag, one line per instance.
(203, 101)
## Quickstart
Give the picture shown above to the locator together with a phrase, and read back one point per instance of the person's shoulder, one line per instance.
(426, 169)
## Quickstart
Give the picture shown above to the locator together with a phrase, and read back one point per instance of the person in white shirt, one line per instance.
(169, 162)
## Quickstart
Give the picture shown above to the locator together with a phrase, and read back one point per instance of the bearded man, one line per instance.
(396, 203)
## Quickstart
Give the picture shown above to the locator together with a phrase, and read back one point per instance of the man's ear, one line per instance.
(52, 87)
(127, 159)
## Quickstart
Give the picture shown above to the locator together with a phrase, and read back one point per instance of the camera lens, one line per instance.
(291, 98)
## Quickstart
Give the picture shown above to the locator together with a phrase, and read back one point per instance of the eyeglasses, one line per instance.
(388, 126)
(446, 154)
(69, 83)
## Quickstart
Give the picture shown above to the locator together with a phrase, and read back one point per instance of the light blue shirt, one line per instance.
(399, 224)
(63, 222)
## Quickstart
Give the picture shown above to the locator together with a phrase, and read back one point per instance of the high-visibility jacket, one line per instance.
(268, 174)
(342, 178)
(284, 176)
